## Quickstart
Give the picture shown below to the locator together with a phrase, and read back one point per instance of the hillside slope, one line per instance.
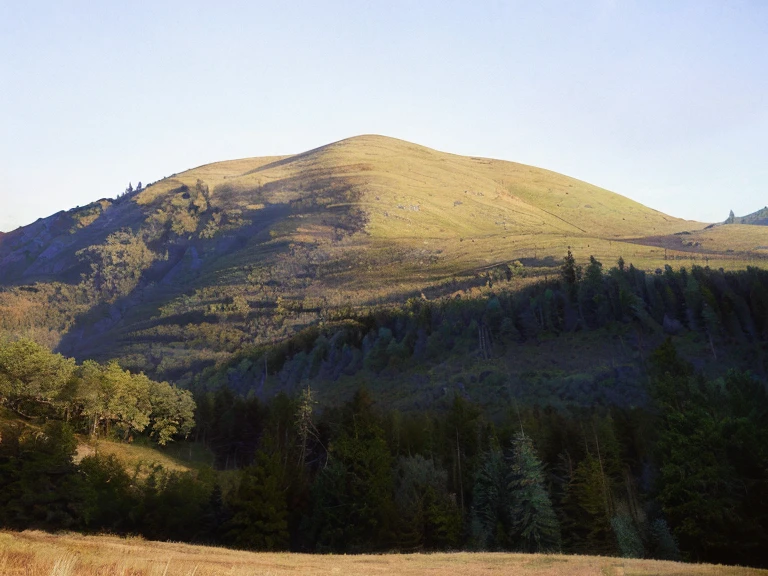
(389, 188)
(757, 218)
(251, 250)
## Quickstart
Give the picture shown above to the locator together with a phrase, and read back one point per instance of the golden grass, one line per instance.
(465, 213)
(33, 553)
(413, 191)
(145, 457)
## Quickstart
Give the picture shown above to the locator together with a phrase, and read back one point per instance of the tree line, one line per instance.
(685, 479)
(684, 475)
(721, 310)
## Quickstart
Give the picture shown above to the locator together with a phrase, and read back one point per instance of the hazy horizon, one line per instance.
(661, 103)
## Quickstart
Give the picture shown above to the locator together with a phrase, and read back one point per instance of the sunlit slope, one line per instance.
(411, 213)
(386, 193)
(408, 190)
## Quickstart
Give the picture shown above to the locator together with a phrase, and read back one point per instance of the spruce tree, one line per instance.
(260, 511)
(353, 495)
(568, 269)
(588, 500)
(534, 523)
(491, 503)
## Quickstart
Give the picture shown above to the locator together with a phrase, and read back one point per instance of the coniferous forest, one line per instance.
(675, 469)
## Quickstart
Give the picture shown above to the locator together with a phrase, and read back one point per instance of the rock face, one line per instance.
(759, 218)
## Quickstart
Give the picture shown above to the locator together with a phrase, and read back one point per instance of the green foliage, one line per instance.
(353, 496)
(568, 271)
(172, 504)
(664, 543)
(117, 265)
(511, 506)
(36, 382)
(712, 458)
(173, 412)
(428, 516)
(589, 495)
(111, 493)
(534, 523)
(259, 509)
(39, 484)
(627, 536)
(31, 374)
(491, 503)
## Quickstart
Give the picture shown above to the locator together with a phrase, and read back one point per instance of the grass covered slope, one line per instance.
(454, 194)
(38, 553)
(180, 274)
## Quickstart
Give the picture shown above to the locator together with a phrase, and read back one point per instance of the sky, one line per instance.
(662, 101)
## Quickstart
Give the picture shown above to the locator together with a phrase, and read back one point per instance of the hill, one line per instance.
(759, 218)
(75, 555)
(179, 275)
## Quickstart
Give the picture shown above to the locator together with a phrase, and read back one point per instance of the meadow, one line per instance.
(33, 553)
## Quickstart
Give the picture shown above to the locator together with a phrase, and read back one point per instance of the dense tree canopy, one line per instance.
(97, 398)
(684, 474)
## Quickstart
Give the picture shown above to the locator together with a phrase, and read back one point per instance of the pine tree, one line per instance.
(588, 501)
(428, 515)
(591, 298)
(568, 269)
(491, 503)
(627, 537)
(534, 523)
(353, 495)
(260, 511)
(305, 427)
(697, 486)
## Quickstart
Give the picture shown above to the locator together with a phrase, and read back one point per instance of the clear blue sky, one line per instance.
(663, 101)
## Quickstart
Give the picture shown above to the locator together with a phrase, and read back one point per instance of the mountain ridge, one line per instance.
(756, 218)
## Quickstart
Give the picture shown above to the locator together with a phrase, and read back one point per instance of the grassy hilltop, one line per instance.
(180, 274)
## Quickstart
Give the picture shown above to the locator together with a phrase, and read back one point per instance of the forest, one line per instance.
(519, 344)
(682, 473)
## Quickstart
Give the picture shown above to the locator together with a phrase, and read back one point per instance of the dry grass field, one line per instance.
(33, 553)
(175, 458)
(136, 457)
